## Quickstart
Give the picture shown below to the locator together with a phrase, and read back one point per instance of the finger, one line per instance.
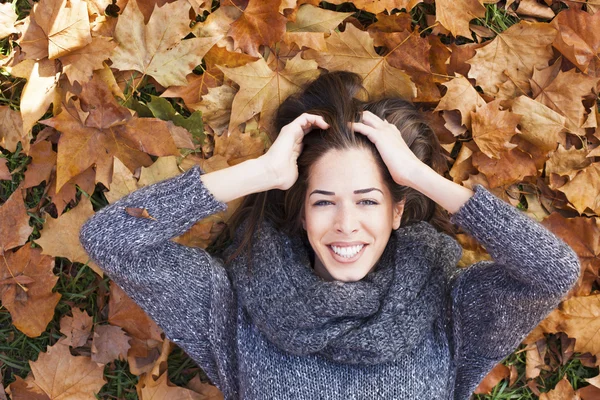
(371, 119)
(369, 131)
(310, 120)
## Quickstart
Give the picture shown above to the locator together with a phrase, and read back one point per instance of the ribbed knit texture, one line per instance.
(190, 295)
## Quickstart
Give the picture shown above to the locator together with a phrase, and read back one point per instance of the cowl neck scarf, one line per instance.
(371, 321)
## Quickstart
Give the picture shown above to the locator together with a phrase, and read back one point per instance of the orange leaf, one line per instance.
(14, 229)
(139, 212)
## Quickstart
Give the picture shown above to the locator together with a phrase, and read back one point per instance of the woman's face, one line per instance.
(348, 214)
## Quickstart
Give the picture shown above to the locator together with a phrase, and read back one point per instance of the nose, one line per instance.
(346, 221)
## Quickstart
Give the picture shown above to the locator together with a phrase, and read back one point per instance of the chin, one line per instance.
(348, 276)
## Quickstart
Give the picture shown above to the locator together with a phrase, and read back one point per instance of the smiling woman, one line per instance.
(338, 278)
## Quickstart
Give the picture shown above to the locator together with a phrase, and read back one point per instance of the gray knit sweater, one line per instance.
(189, 293)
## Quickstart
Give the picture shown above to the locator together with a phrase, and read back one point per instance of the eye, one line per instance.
(322, 203)
(369, 202)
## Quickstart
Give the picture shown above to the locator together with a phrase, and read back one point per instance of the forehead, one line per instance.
(346, 170)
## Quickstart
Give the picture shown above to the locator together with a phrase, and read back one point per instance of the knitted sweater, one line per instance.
(189, 293)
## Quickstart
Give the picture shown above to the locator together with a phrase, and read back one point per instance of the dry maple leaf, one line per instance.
(157, 49)
(54, 28)
(379, 6)
(110, 343)
(263, 90)
(32, 304)
(512, 54)
(77, 328)
(160, 389)
(108, 131)
(582, 191)
(26, 389)
(139, 213)
(60, 237)
(562, 391)
(563, 92)
(79, 65)
(63, 376)
(14, 229)
(455, 15)
(567, 162)
(511, 167)
(39, 92)
(43, 160)
(260, 24)
(578, 38)
(4, 171)
(11, 129)
(216, 107)
(8, 17)
(353, 50)
(539, 124)
(493, 128)
(462, 96)
(310, 25)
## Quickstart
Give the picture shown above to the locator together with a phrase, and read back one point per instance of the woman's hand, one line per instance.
(281, 159)
(399, 159)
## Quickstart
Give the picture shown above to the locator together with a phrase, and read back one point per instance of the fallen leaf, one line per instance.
(77, 328)
(562, 391)
(310, 25)
(353, 50)
(461, 95)
(157, 49)
(512, 167)
(160, 389)
(110, 343)
(487, 384)
(493, 128)
(8, 17)
(79, 65)
(63, 376)
(26, 389)
(455, 15)
(515, 51)
(139, 212)
(4, 171)
(582, 191)
(11, 129)
(43, 160)
(578, 38)
(15, 229)
(60, 237)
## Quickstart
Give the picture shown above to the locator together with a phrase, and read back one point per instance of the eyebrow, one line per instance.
(359, 191)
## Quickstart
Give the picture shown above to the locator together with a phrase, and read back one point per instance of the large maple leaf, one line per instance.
(578, 39)
(263, 90)
(455, 15)
(109, 130)
(353, 50)
(157, 49)
(55, 28)
(512, 55)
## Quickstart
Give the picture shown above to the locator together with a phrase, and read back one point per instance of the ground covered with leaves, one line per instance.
(100, 98)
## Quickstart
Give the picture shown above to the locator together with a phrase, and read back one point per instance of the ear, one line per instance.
(397, 211)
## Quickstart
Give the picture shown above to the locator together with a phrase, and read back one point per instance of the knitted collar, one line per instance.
(370, 321)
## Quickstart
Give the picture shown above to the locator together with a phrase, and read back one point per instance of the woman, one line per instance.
(340, 280)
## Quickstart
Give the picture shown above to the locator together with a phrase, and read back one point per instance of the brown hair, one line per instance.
(336, 97)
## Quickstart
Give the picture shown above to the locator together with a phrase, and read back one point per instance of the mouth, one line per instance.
(347, 256)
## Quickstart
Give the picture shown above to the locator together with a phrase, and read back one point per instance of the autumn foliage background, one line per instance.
(100, 98)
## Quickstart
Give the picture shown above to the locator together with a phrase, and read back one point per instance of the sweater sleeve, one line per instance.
(495, 304)
(183, 289)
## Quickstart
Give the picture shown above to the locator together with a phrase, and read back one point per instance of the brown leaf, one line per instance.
(60, 237)
(77, 328)
(160, 389)
(567, 162)
(139, 212)
(511, 167)
(8, 17)
(513, 53)
(63, 376)
(462, 96)
(110, 343)
(562, 391)
(43, 160)
(260, 24)
(26, 389)
(15, 228)
(493, 128)
(68, 192)
(108, 131)
(455, 15)
(157, 49)
(123, 312)
(563, 92)
(32, 305)
(487, 384)
(216, 107)
(40, 91)
(11, 129)
(353, 50)
(4, 171)
(55, 28)
(578, 38)
(539, 124)
(310, 24)
(379, 6)
(262, 89)
(582, 191)
(207, 391)
(79, 65)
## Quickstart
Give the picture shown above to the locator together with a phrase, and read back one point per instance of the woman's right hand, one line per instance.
(281, 159)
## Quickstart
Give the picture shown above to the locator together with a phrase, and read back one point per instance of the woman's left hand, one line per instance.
(399, 159)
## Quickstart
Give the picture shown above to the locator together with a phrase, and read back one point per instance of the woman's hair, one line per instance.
(336, 97)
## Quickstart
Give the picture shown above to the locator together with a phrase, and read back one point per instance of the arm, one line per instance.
(183, 289)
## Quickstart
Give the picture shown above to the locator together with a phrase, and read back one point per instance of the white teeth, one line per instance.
(347, 252)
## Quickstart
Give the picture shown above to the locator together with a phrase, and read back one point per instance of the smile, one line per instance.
(347, 254)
